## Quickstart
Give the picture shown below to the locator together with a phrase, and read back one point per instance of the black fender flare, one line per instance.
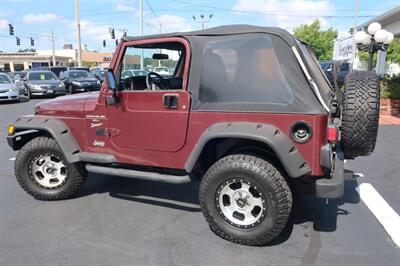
(279, 142)
(29, 127)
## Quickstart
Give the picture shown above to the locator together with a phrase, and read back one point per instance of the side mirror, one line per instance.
(111, 84)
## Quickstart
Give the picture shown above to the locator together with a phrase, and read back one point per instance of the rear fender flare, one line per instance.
(279, 142)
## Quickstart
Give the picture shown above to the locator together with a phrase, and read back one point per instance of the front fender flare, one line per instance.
(28, 127)
(279, 142)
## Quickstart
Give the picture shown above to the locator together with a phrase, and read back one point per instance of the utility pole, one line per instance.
(202, 21)
(141, 33)
(53, 49)
(78, 29)
(353, 54)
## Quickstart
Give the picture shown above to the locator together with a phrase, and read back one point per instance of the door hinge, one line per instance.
(112, 132)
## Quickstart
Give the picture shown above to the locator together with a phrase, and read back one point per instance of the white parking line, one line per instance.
(386, 216)
(12, 159)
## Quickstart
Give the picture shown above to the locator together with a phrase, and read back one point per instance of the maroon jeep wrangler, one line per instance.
(246, 110)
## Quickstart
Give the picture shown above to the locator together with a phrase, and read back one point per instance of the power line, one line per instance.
(155, 15)
(269, 13)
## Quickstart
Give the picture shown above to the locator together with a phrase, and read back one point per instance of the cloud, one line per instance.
(288, 14)
(171, 23)
(123, 6)
(4, 24)
(92, 31)
(40, 18)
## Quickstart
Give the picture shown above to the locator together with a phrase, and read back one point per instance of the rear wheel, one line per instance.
(360, 114)
(245, 200)
(44, 173)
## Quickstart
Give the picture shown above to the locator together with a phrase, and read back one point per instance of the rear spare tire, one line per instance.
(360, 114)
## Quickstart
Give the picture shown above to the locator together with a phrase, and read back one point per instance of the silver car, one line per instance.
(43, 83)
(9, 91)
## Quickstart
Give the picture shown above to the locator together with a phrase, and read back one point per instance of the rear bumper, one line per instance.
(333, 187)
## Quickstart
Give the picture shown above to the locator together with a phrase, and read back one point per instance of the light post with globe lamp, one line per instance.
(377, 39)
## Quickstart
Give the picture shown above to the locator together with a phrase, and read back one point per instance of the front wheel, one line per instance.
(43, 172)
(245, 200)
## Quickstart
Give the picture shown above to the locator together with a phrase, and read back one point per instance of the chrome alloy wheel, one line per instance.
(240, 203)
(48, 171)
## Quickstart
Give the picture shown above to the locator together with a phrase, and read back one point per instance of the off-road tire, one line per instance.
(44, 145)
(270, 182)
(360, 114)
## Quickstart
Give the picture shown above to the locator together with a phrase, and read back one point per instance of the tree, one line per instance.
(321, 41)
(393, 52)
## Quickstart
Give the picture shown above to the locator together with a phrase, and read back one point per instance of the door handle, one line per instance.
(171, 101)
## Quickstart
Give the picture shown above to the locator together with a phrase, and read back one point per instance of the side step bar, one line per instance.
(174, 179)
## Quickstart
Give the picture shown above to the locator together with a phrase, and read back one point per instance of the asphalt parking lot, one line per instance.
(117, 221)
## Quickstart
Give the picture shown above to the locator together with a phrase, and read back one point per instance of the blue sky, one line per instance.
(36, 18)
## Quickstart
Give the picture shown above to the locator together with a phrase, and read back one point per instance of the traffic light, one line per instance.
(112, 34)
(125, 33)
(104, 43)
(32, 42)
(18, 41)
(116, 42)
(11, 29)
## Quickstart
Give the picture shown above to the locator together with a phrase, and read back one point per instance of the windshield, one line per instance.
(79, 74)
(5, 79)
(42, 76)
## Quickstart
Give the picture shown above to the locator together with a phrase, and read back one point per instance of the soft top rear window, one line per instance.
(239, 69)
(316, 73)
(250, 73)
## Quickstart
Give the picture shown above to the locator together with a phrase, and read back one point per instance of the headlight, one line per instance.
(98, 82)
(61, 85)
(36, 87)
(13, 88)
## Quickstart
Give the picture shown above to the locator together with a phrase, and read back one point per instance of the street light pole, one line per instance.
(141, 33)
(377, 39)
(357, 8)
(53, 49)
(202, 21)
(78, 32)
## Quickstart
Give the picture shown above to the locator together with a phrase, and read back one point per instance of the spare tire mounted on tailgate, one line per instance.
(360, 113)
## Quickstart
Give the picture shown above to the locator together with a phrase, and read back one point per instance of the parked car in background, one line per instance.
(9, 91)
(57, 70)
(19, 75)
(11, 74)
(163, 71)
(79, 81)
(42, 83)
(98, 73)
(343, 68)
(133, 73)
(79, 68)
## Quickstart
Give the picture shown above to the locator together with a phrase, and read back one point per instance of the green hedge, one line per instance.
(390, 88)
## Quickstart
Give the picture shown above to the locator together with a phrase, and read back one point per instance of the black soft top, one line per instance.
(244, 68)
(221, 31)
